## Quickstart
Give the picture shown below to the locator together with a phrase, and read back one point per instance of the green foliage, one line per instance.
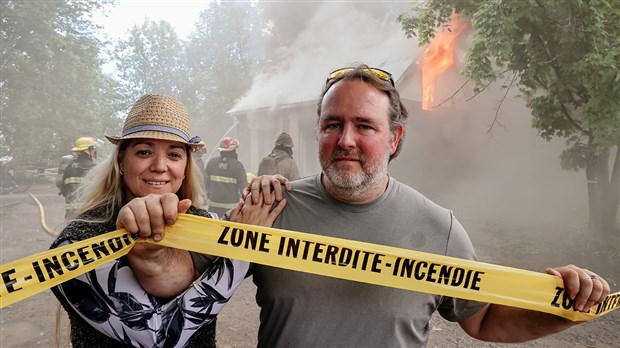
(565, 55)
(52, 88)
(222, 56)
(207, 73)
(150, 61)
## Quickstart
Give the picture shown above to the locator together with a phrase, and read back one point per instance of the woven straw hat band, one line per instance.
(157, 117)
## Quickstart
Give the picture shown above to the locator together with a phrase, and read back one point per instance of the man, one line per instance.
(65, 161)
(360, 129)
(280, 160)
(225, 178)
(85, 156)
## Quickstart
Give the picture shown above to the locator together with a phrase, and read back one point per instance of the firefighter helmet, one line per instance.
(83, 144)
(228, 144)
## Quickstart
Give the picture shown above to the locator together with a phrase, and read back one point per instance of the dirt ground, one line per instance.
(32, 322)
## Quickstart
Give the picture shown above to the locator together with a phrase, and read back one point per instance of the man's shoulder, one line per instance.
(279, 156)
(213, 162)
(73, 166)
(239, 165)
(269, 158)
(412, 196)
(305, 185)
(404, 188)
(312, 180)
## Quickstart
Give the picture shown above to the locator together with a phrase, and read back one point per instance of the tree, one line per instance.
(222, 56)
(53, 90)
(150, 60)
(564, 57)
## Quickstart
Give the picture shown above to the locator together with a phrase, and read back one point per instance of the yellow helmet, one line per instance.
(83, 144)
(249, 176)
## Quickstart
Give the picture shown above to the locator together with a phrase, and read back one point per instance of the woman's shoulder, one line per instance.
(80, 229)
(199, 212)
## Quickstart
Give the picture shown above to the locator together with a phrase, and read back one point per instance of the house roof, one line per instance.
(333, 39)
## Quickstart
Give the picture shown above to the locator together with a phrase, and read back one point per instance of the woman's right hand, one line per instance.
(149, 214)
(162, 271)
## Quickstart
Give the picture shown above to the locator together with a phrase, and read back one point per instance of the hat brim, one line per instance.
(154, 135)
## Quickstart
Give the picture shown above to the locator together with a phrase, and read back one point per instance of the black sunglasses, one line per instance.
(381, 74)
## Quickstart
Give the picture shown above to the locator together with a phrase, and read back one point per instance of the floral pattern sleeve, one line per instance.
(112, 301)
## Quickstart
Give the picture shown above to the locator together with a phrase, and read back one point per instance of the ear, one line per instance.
(397, 134)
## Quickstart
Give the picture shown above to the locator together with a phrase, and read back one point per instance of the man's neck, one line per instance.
(361, 195)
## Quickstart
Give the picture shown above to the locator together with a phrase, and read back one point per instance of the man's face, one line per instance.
(355, 142)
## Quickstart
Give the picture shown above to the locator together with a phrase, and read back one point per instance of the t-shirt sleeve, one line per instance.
(459, 245)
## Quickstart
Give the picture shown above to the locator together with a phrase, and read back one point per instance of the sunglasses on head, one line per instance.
(381, 74)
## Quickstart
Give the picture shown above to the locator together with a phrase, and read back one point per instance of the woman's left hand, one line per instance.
(263, 186)
(260, 213)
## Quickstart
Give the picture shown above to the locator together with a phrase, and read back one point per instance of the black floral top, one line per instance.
(107, 307)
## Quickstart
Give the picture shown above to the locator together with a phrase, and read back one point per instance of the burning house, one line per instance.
(283, 98)
(294, 111)
(449, 150)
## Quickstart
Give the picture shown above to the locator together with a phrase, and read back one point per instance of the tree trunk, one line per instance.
(611, 218)
(603, 194)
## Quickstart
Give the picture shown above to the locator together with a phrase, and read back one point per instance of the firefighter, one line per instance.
(280, 160)
(85, 156)
(225, 178)
(64, 163)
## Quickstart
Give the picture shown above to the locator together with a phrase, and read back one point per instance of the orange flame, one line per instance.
(439, 56)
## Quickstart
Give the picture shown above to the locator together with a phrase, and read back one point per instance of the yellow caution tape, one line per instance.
(29, 276)
(328, 256)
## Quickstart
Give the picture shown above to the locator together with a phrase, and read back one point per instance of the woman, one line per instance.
(106, 308)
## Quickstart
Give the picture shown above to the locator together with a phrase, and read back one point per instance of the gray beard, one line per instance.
(354, 187)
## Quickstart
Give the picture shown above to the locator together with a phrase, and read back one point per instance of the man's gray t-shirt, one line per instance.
(301, 309)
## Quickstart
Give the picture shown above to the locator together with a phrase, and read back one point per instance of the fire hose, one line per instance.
(47, 229)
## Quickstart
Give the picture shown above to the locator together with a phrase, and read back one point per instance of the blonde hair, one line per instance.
(103, 188)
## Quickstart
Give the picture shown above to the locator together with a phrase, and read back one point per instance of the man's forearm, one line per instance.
(513, 325)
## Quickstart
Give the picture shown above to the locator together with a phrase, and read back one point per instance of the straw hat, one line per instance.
(158, 117)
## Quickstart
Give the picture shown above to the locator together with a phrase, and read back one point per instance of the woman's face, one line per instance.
(153, 166)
